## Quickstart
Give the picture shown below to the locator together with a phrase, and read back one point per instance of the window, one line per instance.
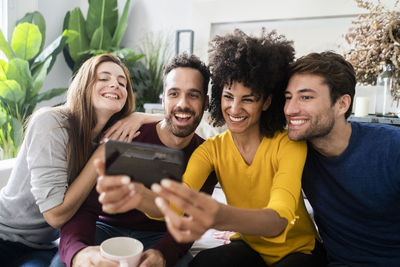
(3, 22)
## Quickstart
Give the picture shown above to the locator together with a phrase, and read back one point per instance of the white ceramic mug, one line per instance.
(125, 250)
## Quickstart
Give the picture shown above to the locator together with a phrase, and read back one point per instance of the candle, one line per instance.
(362, 106)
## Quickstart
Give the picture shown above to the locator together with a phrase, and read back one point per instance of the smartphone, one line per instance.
(144, 163)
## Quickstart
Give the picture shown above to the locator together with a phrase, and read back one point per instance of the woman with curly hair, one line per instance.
(258, 167)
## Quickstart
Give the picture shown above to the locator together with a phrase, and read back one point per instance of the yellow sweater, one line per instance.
(273, 181)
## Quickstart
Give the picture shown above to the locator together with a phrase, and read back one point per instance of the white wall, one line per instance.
(157, 16)
(207, 13)
(169, 15)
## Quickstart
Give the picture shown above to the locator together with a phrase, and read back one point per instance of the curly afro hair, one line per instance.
(261, 64)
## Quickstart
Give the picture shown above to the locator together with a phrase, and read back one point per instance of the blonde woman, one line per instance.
(54, 172)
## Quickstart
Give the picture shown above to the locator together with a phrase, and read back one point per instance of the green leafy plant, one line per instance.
(22, 77)
(101, 32)
(11, 134)
(156, 48)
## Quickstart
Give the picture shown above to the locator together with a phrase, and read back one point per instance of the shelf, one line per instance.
(375, 119)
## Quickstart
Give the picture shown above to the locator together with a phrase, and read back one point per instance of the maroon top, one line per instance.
(79, 232)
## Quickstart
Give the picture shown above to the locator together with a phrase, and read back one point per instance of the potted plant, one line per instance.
(156, 48)
(22, 77)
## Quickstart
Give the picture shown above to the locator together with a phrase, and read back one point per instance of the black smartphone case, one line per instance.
(144, 163)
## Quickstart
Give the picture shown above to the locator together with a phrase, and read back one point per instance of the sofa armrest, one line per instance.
(5, 170)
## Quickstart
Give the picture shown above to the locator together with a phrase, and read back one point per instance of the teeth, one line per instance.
(110, 96)
(236, 119)
(297, 122)
(182, 115)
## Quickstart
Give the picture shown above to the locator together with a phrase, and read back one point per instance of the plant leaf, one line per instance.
(50, 94)
(128, 54)
(121, 27)
(40, 76)
(37, 19)
(5, 47)
(68, 59)
(26, 40)
(11, 91)
(101, 39)
(17, 132)
(3, 70)
(101, 13)
(94, 52)
(81, 42)
(53, 49)
(18, 70)
(3, 118)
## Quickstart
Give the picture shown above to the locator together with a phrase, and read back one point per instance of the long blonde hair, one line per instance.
(81, 117)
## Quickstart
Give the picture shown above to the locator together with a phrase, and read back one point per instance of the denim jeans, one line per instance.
(14, 254)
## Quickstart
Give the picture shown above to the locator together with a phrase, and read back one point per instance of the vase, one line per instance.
(387, 100)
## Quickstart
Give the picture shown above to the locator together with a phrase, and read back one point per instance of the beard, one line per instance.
(183, 131)
(319, 127)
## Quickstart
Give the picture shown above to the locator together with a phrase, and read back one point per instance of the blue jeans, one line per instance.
(17, 254)
(148, 238)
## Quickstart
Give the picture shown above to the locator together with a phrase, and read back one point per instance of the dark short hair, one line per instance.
(189, 61)
(338, 73)
(260, 63)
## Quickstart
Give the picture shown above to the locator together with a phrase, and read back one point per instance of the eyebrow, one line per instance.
(196, 90)
(191, 89)
(109, 73)
(249, 95)
(304, 90)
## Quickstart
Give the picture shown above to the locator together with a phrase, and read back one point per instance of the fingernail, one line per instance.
(156, 188)
(166, 182)
(158, 201)
(125, 180)
(131, 187)
(101, 197)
